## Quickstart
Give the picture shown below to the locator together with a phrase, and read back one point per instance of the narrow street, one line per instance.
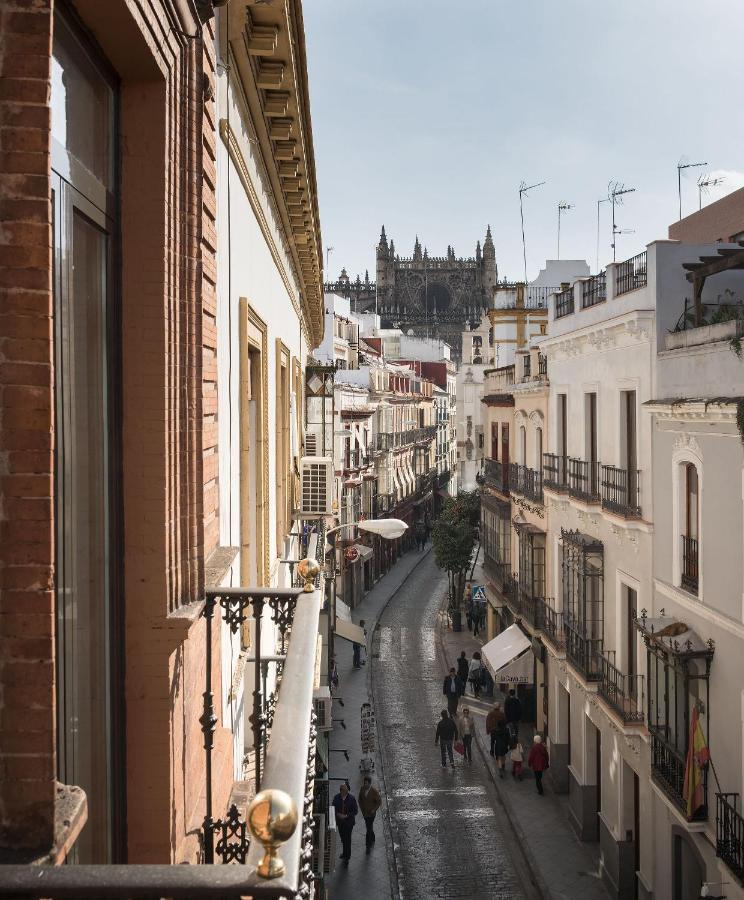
(450, 833)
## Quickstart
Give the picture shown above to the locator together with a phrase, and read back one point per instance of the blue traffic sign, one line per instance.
(479, 592)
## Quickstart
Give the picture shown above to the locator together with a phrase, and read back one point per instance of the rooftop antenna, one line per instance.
(683, 164)
(329, 250)
(600, 201)
(562, 207)
(615, 193)
(705, 183)
(523, 189)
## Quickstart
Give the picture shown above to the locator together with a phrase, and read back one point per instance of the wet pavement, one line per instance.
(451, 837)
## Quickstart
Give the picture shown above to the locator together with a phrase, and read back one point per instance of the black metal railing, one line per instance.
(542, 364)
(537, 295)
(526, 482)
(668, 770)
(510, 590)
(552, 623)
(631, 274)
(497, 474)
(594, 290)
(564, 303)
(532, 609)
(382, 504)
(730, 833)
(583, 479)
(690, 564)
(583, 652)
(383, 441)
(624, 693)
(621, 491)
(555, 471)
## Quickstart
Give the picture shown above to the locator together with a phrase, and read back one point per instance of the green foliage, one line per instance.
(740, 419)
(453, 540)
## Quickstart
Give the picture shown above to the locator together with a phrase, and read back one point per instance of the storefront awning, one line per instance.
(508, 657)
(349, 631)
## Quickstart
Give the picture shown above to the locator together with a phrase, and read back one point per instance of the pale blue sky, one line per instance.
(427, 115)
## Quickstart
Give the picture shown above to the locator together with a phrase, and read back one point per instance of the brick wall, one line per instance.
(718, 221)
(27, 738)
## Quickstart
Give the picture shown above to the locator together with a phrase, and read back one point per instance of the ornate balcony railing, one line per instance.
(621, 491)
(730, 833)
(527, 367)
(594, 290)
(583, 652)
(690, 564)
(284, 736)
(624, 693)
(668, 770)
(631, 274)
(383, 441)
(564, 303)
(583, 479)
(542, 364)
(552, 623)
(382, 504)
(533, 609)
(497, 474)
(555, 471)
(526, 482)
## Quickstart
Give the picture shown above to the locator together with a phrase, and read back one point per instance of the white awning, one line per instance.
(509, 657)
(343, 611)
(350, 632)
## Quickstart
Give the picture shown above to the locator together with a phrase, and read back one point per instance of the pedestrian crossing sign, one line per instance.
(479, 593)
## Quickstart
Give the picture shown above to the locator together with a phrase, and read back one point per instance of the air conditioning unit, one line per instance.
(322, 702)
(311, 444)
(316, 473)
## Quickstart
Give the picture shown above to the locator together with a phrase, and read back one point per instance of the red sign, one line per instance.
(351, 554)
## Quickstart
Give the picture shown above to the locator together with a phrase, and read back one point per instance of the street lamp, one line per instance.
(390, 529)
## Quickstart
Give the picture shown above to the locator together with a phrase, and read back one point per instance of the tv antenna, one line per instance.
(562, 207)
(523, 192)
(329, 250)
(683, 164)
(599, 202)
(615, 193)
(705, 183)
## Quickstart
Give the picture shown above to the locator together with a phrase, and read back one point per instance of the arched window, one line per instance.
(689, 527)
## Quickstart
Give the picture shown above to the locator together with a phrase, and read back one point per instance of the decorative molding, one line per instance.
(536, 509)
(685, 441)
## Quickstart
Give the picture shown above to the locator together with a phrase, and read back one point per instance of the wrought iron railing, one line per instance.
(621, 491)
(624, 693)
(527, 367)
(497, 474)
(526, 482)
(594, 290)
(285, 764)
(631, 274)
(583, 479)
(555, 471)
(552, 623)
(542, 364)
(383, 441)
(730, 833)
(532, 609)
(583, 652)
(690, 564)
(382, 504)
(668, 770)
(564, 303)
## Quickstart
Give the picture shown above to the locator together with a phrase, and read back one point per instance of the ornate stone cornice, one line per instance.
(721, 410)
(634, 327)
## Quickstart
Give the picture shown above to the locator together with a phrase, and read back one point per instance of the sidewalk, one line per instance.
(373, 876)
(563, 866)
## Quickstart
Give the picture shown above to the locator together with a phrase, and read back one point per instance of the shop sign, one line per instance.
(351, 554)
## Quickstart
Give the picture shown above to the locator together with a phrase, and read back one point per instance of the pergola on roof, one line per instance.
(726, 260)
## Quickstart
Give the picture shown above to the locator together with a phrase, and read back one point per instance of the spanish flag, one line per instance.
(698, 756)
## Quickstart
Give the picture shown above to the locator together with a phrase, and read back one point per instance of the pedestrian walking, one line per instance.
(513, 713)
(345, 806)
(500, 744)
(466, 726)
(369, 802)
(445, 736)
(463, 667)
(357, 649)
(476, 620)
(538, 761)
(452, 689)
(517, 758)
(492, 720)
(474, 673)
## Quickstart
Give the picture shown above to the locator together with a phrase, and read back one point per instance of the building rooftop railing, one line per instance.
(564, 303)
(631, 274)
(594, 290)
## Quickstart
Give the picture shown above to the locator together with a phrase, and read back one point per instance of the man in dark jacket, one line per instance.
(513, 713)
(445, 736)
(452, 689)
(369, 802)
(346, 809)
(463, 667)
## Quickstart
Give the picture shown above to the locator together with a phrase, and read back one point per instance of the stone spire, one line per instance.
(477, 252)
(417, 250)
(490, 271)
(382, 247)
(392, 249)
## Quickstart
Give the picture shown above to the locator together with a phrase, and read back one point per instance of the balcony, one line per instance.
(564, 303)
(582, 652)
(552, 622)
(383, 441)
(497, 475)
(730, 833)
(555, 471)
(668, 769)
(594, 290)
(631, 274)
(382, 504)
(621, 491)
(689, 577)
(354, 460)
(526, 482)
(542, 365)
(583, 479)
(624, 693)
(284, 760)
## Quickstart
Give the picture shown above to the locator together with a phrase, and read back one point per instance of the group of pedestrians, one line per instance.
(502, 726)
(347, 808)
